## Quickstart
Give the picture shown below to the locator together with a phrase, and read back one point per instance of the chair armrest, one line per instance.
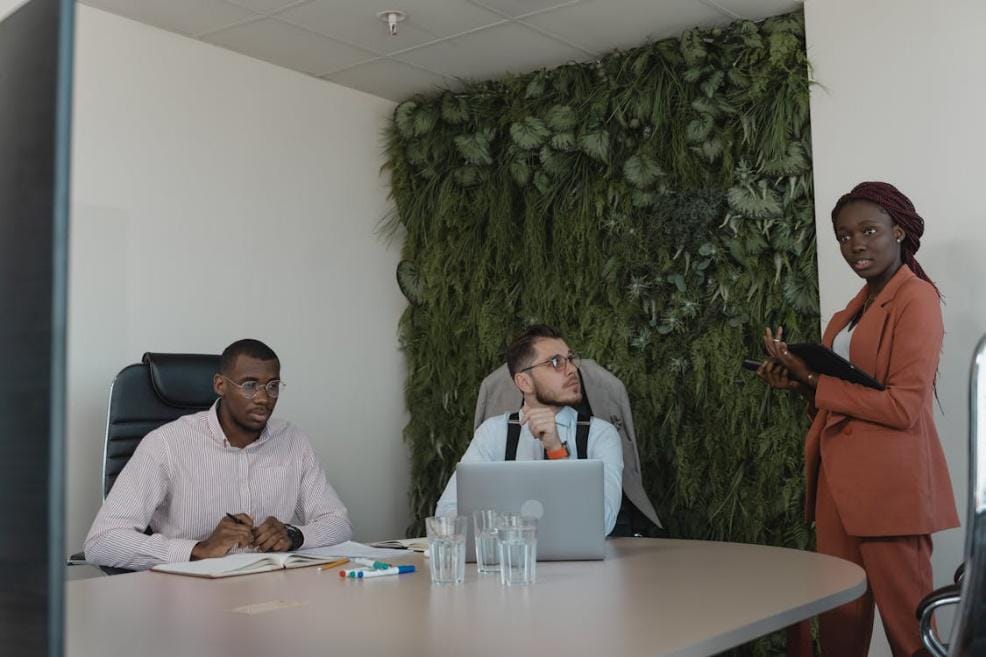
(946, 595)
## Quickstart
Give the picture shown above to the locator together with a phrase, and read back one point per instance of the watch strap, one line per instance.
(296, 536)
(560, 453)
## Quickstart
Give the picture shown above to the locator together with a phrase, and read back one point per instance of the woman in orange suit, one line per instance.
(877, 485)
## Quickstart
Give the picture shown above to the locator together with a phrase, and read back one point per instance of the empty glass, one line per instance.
(517, 536)
(447, 547)
(487, 547)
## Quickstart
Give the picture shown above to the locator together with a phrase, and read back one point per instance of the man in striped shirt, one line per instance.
(222, 480)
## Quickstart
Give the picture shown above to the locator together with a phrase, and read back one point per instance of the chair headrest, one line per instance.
(183, 380)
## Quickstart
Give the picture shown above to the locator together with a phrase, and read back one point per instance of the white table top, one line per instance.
(650, 597)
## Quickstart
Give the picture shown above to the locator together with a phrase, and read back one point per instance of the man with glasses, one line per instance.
(222, 480)
(547, 426)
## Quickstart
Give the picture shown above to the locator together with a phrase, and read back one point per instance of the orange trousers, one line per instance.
(898, 571)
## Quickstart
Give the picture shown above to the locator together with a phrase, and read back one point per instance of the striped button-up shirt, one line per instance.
(185, 477)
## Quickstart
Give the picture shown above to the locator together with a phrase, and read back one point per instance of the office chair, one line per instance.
(144, 396)
(604, 396)
(969, 590)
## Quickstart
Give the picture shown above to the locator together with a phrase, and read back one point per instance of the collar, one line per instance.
(219, 436)
(841, 319)
(566, 417)
(886, 295)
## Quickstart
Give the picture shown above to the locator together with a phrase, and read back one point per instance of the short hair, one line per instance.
(246, 347)
(521, 350)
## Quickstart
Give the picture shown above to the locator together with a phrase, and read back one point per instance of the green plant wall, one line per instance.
(657, 207)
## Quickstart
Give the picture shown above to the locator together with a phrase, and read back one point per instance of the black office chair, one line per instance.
(144, 396)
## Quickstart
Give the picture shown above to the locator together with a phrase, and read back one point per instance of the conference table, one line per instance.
(649, 597)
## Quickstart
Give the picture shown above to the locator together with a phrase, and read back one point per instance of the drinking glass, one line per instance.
(487, 546)
(517, 536)
(447, 547)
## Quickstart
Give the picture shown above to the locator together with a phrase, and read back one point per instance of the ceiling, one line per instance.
(441, 42)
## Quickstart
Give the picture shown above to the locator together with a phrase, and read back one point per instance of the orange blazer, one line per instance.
(883, 460)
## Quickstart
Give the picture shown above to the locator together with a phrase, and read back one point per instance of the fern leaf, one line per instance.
(455, 110)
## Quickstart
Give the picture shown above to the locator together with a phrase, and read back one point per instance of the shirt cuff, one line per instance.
(180, 549)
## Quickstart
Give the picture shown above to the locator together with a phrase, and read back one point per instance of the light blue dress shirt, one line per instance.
(489, 443)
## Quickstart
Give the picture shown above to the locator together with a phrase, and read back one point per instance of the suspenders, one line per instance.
(513, 436)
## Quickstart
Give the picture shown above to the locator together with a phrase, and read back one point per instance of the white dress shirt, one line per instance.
(185, 477)
(489, 443)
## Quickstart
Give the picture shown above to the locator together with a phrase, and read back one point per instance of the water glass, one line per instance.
(447, 545)
(517, 536)
(487, 546)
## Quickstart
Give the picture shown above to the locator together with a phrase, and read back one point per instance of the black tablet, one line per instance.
(825, 361)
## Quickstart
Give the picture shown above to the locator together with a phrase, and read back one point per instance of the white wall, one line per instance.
(216, 197)
(901, 99)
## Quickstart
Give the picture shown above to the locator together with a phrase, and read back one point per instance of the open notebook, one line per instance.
(413, 544)
(247, 563)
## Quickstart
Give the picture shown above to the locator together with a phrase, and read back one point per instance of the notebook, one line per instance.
(565, 496)
(413, 544)
(247, 563)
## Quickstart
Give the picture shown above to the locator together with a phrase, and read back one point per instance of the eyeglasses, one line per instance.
(557, 362)
(251, 388)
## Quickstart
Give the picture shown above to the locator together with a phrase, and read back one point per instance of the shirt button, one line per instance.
(847, 431)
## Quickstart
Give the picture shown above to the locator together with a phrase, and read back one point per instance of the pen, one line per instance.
(370, 563)
(234, 518)
(364, 574)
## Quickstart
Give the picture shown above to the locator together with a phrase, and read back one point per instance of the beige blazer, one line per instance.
(608, 397)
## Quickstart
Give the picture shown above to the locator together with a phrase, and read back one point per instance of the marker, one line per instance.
(364, 574)
(370, 563)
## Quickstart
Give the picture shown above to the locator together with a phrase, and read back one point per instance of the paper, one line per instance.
(352, 550)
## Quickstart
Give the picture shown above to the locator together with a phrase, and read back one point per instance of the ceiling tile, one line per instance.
(604, 25)
(266, 6)
(757, 9)
(182, 16)
(515, 8)
(508, 48)
(357, 22)
(289, 46)
(389, 78)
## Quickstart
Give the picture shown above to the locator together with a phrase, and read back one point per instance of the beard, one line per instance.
(569, 399)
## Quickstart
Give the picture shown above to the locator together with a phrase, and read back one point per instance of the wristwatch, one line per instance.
(297, 538)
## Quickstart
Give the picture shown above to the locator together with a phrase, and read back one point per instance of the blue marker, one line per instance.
(365, 574)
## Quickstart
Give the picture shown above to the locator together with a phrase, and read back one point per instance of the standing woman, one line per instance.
(877, 485)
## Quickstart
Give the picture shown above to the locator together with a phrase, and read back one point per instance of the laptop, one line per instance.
(565, 496)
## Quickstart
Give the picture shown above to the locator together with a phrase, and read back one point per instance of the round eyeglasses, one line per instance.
(557, 362)
(249, 389)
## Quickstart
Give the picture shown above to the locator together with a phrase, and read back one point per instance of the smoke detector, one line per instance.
(392, 17)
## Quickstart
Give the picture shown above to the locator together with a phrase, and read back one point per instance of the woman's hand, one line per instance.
(795, 367)
(775, 375)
